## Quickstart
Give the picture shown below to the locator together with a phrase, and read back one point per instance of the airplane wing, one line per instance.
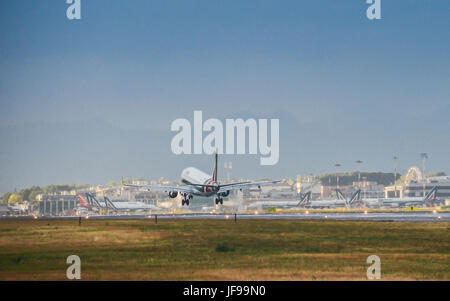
(185, 188)
(192, 189)
(241, 185)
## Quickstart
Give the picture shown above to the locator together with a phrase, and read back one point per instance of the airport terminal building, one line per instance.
(416, 188)
(57, 204)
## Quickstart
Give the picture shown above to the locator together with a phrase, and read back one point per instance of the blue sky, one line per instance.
(92, 100)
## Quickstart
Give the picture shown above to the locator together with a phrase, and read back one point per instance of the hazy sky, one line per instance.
(92, 100)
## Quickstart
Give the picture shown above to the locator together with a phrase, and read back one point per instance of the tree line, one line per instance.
(30, 194)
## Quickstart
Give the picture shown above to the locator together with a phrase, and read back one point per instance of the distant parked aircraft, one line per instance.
(405, 202)
(341, 201)
(89, 202)
(261, 205)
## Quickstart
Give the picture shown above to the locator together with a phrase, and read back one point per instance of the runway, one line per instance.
(387, 217)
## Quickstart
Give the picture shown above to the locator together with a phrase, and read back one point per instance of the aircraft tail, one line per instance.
(304, 199)
(93, 201)
(355, 197)
(214, 173)
(431, 195)
(340, 195)
(83, 201)
(109, 204)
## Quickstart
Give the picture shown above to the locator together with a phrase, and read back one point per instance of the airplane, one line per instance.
(128, 206)
(405, 202)
(198, 183)
(95, 205)
(304, 199)
(86, 203)
(341, 201)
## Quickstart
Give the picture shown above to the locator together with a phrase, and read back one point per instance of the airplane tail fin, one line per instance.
(93, 201)
(82, 200)
(340, 195)
(109, 204)
(214, 173)
(355, 197)
(431, 195)
(304, 199)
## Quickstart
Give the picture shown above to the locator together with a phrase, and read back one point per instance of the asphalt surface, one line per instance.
(385, 216)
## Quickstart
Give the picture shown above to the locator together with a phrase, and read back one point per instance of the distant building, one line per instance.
(150, 197)
(57, 204)
(314, 187)
(415, 188)
(140, 182)
(369, 189)
(327, 192)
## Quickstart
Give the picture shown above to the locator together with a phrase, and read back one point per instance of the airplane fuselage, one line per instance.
(395, 201)
(193, 176)
(326, 204)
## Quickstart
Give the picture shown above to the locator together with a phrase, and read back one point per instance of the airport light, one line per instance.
(395, 175)
(365, 179)
(326, 216)
(307, 212)
(359, 172)
(424, 157)
(337, 174)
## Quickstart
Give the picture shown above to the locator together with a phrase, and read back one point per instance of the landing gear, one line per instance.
(218, 200)
(185, 199)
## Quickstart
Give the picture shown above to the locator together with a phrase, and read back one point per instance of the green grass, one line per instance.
(223, 250)
(223, 247)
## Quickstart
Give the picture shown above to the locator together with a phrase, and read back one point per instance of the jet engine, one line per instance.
(225, 194)
(173, 194)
